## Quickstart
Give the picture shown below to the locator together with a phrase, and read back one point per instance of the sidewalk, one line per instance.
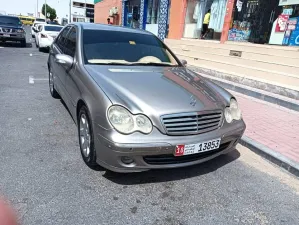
(273, 126)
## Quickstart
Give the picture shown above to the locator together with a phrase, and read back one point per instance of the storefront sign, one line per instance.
(281, 23)
(90, 13)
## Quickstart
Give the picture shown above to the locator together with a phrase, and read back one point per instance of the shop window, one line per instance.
(152, 12)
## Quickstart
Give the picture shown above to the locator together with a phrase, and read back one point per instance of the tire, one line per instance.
(86, 139)
(23, 43)
(40, 49)
(53, 91)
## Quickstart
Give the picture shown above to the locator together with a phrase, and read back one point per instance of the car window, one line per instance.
(53, 28)
(61, 39)
(70, 45)
(119, 47)
(9, 20)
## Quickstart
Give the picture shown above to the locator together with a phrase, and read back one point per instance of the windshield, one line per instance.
(7, 20)
(40, 20)
(115, 47)
(53, 28)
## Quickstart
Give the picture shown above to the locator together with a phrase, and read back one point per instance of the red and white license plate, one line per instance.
(181, 150)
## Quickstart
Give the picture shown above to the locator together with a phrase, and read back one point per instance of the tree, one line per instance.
(49, 10)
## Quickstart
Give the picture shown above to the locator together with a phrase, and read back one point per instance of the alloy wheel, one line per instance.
(84, 135)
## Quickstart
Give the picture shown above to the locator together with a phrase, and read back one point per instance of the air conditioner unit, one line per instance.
(115, 10)
(110, 12)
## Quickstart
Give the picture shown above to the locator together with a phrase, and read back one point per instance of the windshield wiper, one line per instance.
(151, 64)
(111, 63)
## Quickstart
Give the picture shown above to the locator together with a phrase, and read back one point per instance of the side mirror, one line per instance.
(184, 62)
(65, 60)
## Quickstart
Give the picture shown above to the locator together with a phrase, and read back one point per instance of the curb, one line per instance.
(258, 95)
(274, 157)
(252, 92)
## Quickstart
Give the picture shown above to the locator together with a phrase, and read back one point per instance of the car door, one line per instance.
(72, 75)
(59, 72)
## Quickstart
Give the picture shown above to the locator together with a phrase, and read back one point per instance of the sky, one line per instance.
(29, 6)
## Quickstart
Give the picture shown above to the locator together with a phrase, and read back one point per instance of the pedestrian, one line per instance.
(108, 21)
(205, 25)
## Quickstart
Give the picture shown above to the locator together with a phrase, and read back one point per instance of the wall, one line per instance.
(177, 19)
(102, 11)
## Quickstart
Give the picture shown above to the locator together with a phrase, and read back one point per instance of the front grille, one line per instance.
(192, 123)
(6, 30)
(171, 159)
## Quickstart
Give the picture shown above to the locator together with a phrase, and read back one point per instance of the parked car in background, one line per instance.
(11, 29)
(137, 107)
(27, 20)
(45, 35)
(34, 27)
(39, 20)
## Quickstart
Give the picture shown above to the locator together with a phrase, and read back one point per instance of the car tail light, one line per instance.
(44, 36)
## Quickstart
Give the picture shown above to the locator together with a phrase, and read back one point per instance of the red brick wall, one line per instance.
(102, 11)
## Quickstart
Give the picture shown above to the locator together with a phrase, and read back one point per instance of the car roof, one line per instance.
(9, 16)
(94, 26)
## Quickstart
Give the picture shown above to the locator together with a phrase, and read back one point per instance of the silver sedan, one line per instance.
(138, 107)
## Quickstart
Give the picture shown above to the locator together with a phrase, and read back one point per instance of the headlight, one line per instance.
(125, 122)
(20, 31)
(232, 112)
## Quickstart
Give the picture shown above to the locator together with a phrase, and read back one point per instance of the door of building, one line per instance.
(262, 20)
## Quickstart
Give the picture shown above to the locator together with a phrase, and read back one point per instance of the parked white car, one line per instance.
(34, 27)
(46, 34)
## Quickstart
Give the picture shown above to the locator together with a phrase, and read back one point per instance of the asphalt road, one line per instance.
(44, 177)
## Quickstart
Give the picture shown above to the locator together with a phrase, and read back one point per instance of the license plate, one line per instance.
(6, 35)
(189, 149)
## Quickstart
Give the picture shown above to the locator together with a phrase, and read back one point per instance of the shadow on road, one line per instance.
(14, 45)
(155, 176)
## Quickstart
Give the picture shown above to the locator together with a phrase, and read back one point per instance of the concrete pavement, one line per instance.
(44, 177)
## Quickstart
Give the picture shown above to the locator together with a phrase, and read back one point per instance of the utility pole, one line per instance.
(70, 13)
(36, 8)
(46, 9)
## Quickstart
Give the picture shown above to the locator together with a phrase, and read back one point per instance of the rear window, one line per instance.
(53, 28)
(40, 20)
(7, 20)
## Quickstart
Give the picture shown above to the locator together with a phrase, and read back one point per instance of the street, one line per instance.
(44, 177)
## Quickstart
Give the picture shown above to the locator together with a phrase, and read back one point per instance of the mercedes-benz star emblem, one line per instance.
(193, 101)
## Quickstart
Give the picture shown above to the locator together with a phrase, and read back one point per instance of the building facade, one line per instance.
(254, 21)
(82, 11)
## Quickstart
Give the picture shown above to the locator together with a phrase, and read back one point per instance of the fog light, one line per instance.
(127, 160)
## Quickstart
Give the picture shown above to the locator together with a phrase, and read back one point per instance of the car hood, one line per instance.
(156, 90)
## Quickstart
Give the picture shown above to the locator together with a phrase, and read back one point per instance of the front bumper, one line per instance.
(155, 151)
(12, 37)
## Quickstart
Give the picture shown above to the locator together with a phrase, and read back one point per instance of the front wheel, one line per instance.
(86, 139)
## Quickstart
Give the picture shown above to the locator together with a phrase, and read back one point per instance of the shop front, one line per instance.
(263, 21)
(195, 14)
(151, 15)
